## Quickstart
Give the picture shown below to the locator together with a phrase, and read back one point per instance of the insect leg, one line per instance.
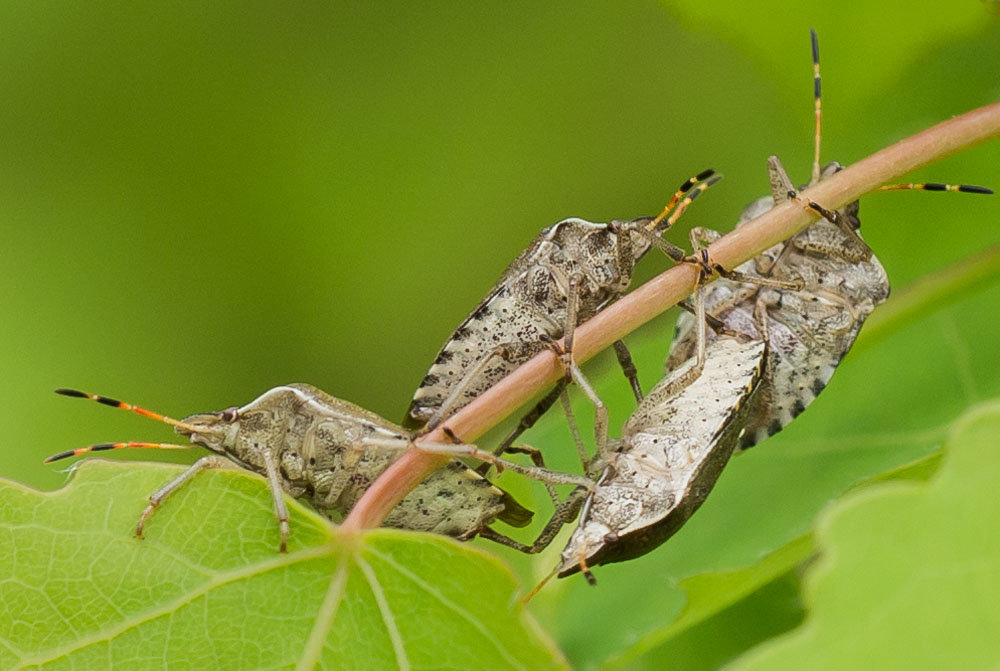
(699, 236)
(628, 367)
(538, 460)
(534, 472)
(460, 449)
(564, 513)
(528, 420)
(277, 495)
(714, 323)
(573, 372)
(574, 431)
(935, 186)
(157, 497)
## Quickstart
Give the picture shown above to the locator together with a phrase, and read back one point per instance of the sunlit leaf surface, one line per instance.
(207, 589)
(872, 605)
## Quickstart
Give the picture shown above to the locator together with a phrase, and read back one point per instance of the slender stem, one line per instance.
(667, 289)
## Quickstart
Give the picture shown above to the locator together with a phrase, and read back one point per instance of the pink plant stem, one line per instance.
(669, 288)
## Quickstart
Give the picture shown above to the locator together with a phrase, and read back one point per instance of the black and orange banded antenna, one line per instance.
(698, 183)
(99, 447)
(114, 403)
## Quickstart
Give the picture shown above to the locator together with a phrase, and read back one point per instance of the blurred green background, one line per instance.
(203, 200)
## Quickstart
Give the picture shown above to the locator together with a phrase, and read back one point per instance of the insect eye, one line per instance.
(229, 414)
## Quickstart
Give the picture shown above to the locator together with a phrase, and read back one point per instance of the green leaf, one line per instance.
(206, 588)
(878, 415)
(709, 594)
(910, 572)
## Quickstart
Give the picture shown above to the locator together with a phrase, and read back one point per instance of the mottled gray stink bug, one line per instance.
(310, 444)
(809, 330)
(573, 267)
(672, 449)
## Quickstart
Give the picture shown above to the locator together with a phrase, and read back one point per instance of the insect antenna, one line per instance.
(817, 98)
(817, 104)
(684, 196)
(115, 403)
(937, 186)
(116, 446)
(538, 588)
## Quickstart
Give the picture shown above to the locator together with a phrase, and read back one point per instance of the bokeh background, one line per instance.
(199, 201)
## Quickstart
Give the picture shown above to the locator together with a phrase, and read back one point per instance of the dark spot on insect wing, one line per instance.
(817, 386)
(774, 427)
(797, 408)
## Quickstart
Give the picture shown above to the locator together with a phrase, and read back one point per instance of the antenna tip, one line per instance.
(57, 457)
(704, 175)
(971, 188)
(75, 393)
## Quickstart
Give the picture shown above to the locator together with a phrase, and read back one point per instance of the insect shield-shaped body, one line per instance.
(809, 330)
(310, 444)
(574, 260)
(319, 443)
(671, 452)
(526, 310)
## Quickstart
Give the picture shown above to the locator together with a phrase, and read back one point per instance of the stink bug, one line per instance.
(834, 283)
(309, 444)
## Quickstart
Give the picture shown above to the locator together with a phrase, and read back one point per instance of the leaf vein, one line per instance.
(214, 582)
(324, 619)
(448, 603)
(387, 617)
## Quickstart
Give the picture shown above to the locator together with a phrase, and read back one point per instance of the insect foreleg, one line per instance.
(158, 497)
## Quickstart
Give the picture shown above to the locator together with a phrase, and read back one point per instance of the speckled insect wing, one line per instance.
(672, 450)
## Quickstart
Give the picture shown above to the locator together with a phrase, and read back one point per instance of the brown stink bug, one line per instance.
(833, 283)
(569, 272)
(309, 444)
